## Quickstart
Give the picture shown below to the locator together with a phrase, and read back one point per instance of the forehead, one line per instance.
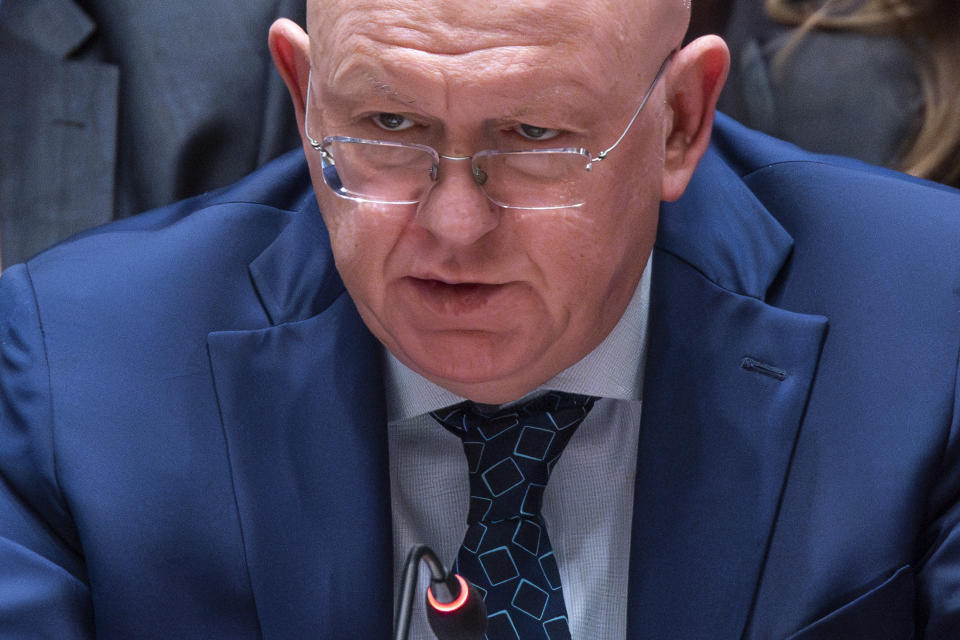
(558, 42)
(453, 26)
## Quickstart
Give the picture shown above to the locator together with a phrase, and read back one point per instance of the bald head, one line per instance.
(455, 28)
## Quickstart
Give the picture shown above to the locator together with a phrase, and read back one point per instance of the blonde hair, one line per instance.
(932, 29)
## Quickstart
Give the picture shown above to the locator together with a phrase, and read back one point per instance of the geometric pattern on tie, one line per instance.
(506, 552)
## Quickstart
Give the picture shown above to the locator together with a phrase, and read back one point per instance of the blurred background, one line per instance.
(872, 79)
(112, 107)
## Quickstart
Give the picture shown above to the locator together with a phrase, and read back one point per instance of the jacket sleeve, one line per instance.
(938, 570)
(43, 584)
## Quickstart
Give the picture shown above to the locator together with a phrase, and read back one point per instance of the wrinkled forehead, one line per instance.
(608, 31)
(452, 26)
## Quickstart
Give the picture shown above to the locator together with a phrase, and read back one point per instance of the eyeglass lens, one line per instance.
(402, 174)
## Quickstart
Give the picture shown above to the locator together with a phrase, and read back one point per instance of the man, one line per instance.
(250, 449)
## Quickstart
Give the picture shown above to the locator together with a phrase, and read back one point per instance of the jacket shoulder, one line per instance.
(184, 268)
(208, 239)
(821, 192)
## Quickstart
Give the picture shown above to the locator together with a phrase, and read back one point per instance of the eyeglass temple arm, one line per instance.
(663, 67)
(316, 144)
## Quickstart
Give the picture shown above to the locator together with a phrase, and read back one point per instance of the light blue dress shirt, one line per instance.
(588, 503)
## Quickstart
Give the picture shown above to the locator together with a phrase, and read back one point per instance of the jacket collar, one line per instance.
(58, 27)
(720, 229)
(295, 277)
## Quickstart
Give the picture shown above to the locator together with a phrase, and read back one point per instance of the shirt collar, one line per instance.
(614, 369)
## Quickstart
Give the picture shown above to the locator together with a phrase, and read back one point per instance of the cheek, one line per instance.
(629, 211)
(595, 243)
(604, 250)
(362, 240)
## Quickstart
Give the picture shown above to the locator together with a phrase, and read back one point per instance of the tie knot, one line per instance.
(512, 451)
(554, 410)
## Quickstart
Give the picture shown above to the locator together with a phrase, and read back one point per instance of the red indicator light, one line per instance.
(450, 606)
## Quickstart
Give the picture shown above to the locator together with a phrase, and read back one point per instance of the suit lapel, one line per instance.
(303, 414)
(726, 383)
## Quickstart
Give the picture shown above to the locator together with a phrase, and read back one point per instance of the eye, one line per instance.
(392, 121)
(531, 132)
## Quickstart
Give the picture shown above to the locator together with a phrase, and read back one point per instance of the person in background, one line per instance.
(870, 79)
(109, 108)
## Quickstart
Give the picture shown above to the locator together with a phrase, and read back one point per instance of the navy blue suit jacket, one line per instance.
(192, 423)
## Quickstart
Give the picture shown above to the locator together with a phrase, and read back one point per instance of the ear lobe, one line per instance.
(290, 49)
(694, 83)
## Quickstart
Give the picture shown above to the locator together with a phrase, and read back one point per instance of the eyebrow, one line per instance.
(386, 89)
(356, 79)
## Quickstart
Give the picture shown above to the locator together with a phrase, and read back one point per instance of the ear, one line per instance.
(290, 49)
(696, 76)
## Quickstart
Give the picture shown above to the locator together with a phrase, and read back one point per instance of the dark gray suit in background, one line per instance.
(840, 92)
(109, 108)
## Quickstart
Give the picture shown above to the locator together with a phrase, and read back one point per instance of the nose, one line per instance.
(456, 209)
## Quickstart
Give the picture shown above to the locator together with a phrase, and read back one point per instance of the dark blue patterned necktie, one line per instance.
(506, 552)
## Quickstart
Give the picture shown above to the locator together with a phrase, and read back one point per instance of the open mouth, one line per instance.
(456, 299)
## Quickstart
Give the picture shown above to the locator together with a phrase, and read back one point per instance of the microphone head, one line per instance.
(463, 615)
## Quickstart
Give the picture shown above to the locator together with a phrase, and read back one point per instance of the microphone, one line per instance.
(455, 609)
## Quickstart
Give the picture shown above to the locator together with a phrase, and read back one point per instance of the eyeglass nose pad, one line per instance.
(479, 176)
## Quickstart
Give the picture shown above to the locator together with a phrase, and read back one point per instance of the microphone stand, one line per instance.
(465, 619)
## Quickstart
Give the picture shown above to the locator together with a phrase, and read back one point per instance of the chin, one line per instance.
(479, 365)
